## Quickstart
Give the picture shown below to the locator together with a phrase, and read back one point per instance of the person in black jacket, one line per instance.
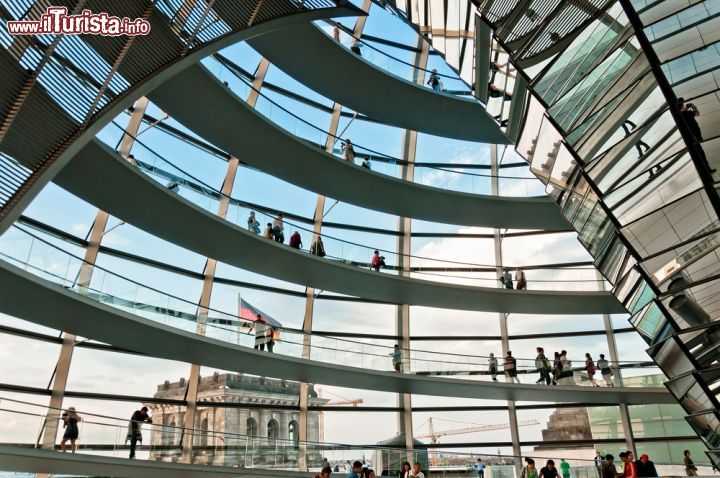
(134, 434)
(645, 467)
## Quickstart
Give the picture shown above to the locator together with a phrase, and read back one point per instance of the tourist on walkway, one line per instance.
(598, 459)
(590, 369)
(493, 366)
(267, 233)
(405, 470)
(480, 468)
(521, 283)
(134, 434)
(296, 240)
(542, 365)
(70, 420)
(336, 33)
(253, 224)
(356, 471)
(397, 358)
(260, 333)
(278, 228)
(645, 467)
(510, 367)
(564, 468)
(629, 468)
(506, 279)
(366, 164)
(270, 337)
(605, 370)
(529, 470)
(377, 262)
(417, 471)
(348, 151)
(549, 470)
(318, 248)
(557, 368)
(434, 80)
(607, 468)
(567, 372)
(690, 468)
(326, 470)
(689, 111)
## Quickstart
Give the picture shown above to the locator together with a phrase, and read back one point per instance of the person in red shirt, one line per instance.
(629, 470)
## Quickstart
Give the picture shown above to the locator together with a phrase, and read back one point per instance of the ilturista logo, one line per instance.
(56, 21)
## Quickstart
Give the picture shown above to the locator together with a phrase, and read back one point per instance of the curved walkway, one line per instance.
(103, 178)
(228, 122)
(324, 65)
(31, 298)
(33, 460)
(44, 135)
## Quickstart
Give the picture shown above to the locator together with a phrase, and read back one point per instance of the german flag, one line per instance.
(249, 312)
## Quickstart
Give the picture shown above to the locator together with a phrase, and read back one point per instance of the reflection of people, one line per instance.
(70, 420)
(628, 126)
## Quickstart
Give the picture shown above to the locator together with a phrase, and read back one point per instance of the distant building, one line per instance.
(567, 424)
(235, 435)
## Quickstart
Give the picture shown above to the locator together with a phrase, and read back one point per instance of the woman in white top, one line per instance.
(348, 151)
(261, 337)
(492, 366)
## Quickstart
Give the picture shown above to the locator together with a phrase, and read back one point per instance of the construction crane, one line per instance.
(344, 401)
(321, 416)
(434, 436)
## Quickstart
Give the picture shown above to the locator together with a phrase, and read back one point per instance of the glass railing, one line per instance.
(452, 177)
(38, 256)
(540, 277)
(105, 435)
(395, 66)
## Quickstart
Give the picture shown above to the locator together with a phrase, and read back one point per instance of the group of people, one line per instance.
(547, 471)
(348, 151)
(632, 468)
(560, 371)
(507, 279)
(264, 334)
(358, 469)
(71, 423)
(275, 231)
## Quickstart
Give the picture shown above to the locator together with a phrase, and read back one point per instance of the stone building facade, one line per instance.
(259, 433)
(567, 424)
